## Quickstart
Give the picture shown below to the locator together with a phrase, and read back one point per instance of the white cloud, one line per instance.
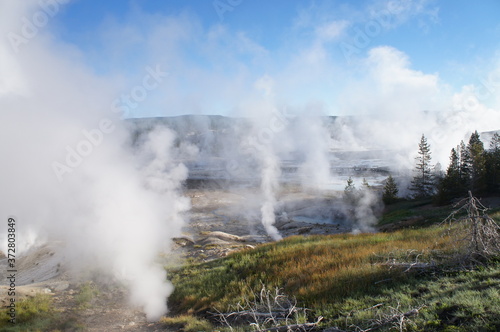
(388, 83)
(332, 30)
(397, 104)
(401, 11)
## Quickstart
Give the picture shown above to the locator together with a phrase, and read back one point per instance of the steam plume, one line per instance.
(69, 172)
(270, 173)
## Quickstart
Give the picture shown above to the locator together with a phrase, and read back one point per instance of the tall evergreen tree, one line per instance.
(454, 166)
(423, 183)
(495, 143)
(493, 165)
(465, 164)
(350, 191)
(451, 185)
(390, 194)
(477, 160)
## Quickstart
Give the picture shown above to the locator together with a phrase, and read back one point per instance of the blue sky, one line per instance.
(221, 54)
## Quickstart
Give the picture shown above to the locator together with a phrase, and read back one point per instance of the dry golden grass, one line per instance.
(351, 281)
(316, 270)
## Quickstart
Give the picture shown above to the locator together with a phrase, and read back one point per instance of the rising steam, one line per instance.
(69, 172)
(270, 172)
(260, 146)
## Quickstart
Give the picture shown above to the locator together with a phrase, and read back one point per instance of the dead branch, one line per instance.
(397, 319)
(294, 327)
(411, 262)
(223, 319)
(268, 310)
(409, 266)
(381, 281)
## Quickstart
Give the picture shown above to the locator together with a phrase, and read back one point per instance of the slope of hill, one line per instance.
(385, 281)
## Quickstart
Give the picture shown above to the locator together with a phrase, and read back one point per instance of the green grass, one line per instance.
(422, 208)
(38, 314)
(465, 301)
(86, 294)
(32, 314)
(186, 323)
(339, 276)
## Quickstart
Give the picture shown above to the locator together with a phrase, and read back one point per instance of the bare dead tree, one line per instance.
(268, 311)
(475, 235)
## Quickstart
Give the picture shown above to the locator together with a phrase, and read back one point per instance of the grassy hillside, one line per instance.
(353, 281)
(356, 282)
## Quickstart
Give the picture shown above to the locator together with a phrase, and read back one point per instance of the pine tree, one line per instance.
(423, 183)
(350, 185)
(390, 194)
(495, 143)
(477, 167)
(453, 175)
(465, 164)
(492, 177)
(451, 185)
(350, 198)
(350, 191)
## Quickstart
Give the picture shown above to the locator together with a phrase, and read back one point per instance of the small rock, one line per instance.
(183, 241)
(224, 236)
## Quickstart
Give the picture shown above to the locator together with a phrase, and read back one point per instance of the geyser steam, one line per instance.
(266, 124)
(270, 172)
(113, 207)
(260, 148)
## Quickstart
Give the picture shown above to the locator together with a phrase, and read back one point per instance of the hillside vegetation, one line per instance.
(402, 279)
(407, 279)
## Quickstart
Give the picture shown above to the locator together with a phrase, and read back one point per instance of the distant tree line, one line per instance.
(471, 168)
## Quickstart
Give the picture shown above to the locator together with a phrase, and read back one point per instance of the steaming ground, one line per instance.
(216, 213)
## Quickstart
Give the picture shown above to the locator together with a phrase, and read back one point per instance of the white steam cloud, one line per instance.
(314, 143)
(270, 173)
(260, 144)
(69, 172)
(274, 136)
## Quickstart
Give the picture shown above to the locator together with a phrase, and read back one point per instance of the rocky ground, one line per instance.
(224, 221)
